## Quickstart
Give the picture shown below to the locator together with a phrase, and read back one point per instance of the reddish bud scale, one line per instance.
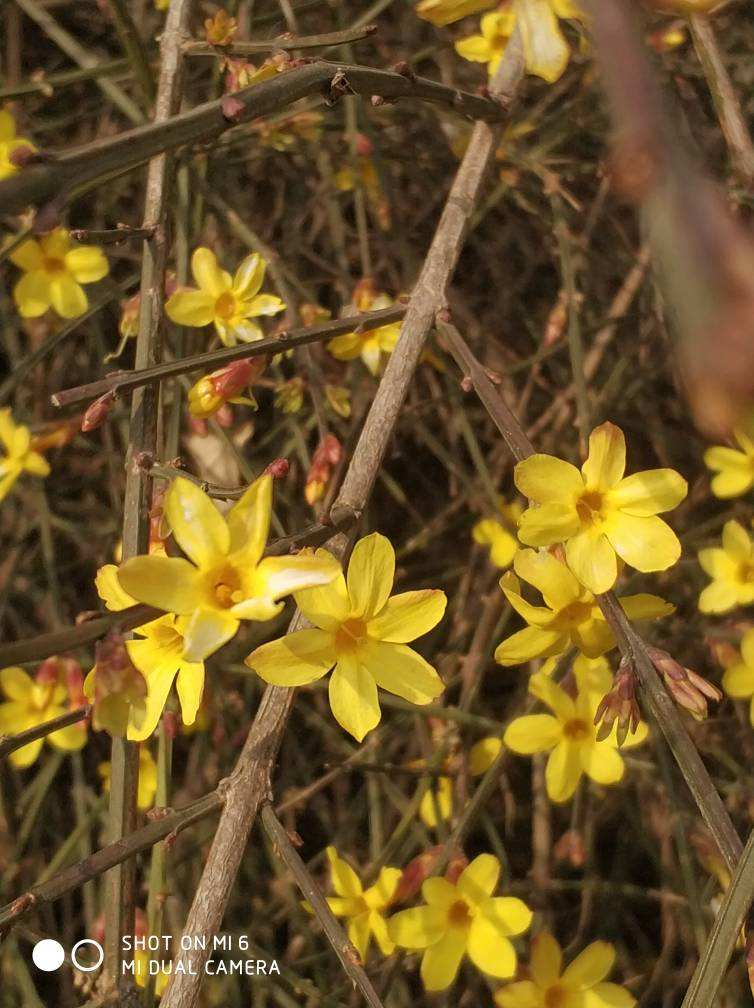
(278, 468)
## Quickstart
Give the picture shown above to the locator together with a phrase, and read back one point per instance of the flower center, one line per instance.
(225, 305)
(555, 997)
(53, 265)
(351, 634)
(575, 613)
(589, 507)
(458, 914)
(577, 730)
(745, 572)
(225, 587)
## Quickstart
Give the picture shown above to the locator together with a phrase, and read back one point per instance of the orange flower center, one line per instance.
(459, 915)
(225, 306)
(555, 996)
(745, 572)
(590, 507)
(351, 634)
(225, 586)
(575, 612)
(577, 730)
(54, 265)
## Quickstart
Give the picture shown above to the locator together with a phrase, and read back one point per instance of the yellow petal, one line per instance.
(147, 779)
(439, 893)
(190, 687)
(353, 698)
(610, 995)
(417, 928)
(546, 959)
(502, 543)
(552, 578)
(26, 755)
(563, 771)
(378, 927)
(378, 896)
(28, 256)
(358, 933)
(718, 597)
(738, 681)
(344, 879)
(371, 572)
(567, 9)
(444, 12)
(249, 520)
(539, 616)
(262, 304)
(532, 733)
(68, 739)
(648, 544)
(168, 583)
(205, 631)
(437, 803)
(66, 296)
(545, 50)
(544, 688)
(479, 879)
(590, 966)
(400, 670)
(328, 606)
(523, 994)
(144, 719)
(483, 754)
(545, 479)
(606, 461)
(32, 294)
(190, 308)
(441, 961)
(650, 492)
(294, 660)
(530, 643)
(346, 346)
(736, 541)
(602, 763)
(408, 616)
(208, 276)
(110, 590)
(249, 276)
(509, 915)
(490, 951)
(15, 684)
(591, 557)
(199, 528)
(475, 48)
(86, 263)
(643, 606)
(283, 575)
(545, 524)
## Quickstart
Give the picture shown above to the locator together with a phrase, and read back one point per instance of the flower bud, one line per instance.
(97, 412)
(619, 706)
(327, 455)
(689, 690)
(213, 391)
(278, 468)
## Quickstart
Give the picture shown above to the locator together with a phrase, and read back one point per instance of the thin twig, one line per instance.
(283, 43)
(10, 743)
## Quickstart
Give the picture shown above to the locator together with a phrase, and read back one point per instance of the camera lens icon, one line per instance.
(48, 955)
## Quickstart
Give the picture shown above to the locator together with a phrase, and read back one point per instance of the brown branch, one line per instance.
(283, 43)
(345, 951)
(10, 743)
(126, 381)
(60, 176)
(249, 785)
(630, 644)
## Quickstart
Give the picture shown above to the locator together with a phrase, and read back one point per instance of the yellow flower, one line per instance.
(483, 754)
(738, 678)
(570, 735)
(437, 803)
(597, 512)
(147, 778)
(363, 632)
(31, 702)
(363, 908)
(9, 143)
(142, 958)
(224, 580)
(546, 51)
(570, 615)
(581, 985)
(461, 919)
(372, 344)
(731, 567)
(444, 12)
(17, 454)
(734, 469)
(500, 533)
(231, 302)
(54, 271)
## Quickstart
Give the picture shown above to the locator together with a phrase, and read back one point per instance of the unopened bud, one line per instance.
(619, 706)
(689, 690)
(97, 412)
(278, 468)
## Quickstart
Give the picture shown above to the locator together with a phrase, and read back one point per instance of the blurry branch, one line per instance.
(724, 96)
(726, 930)
(56, 179)
(704, 258)
(143, 440)
(630, 644)
(133, 47)
(249, 785)
(10, 743)
(334, 933)
(47, 85)
(125, 381)
(108, 857)
(283, 43)
(72, 48)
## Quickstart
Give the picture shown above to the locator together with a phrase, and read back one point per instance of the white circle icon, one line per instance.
(100, 955)
(48, 955)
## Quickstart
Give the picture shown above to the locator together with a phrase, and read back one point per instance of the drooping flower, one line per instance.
(463, 919)
(224, 385)
(364, 909)
(325, 457)
(363, 632)
(147, 785)
(580, 985)
(54, 270)
(224, 579)
(570, 615)
(570, 735)
(500, 533)
(734, 470)
(598, 513)
(731, 567)
(444, 12)
(230, 302)
(116, 689)
(370, 344)
(546, 51)
(738, 678)
(31, 702)
(9, 143)
(18, 455)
